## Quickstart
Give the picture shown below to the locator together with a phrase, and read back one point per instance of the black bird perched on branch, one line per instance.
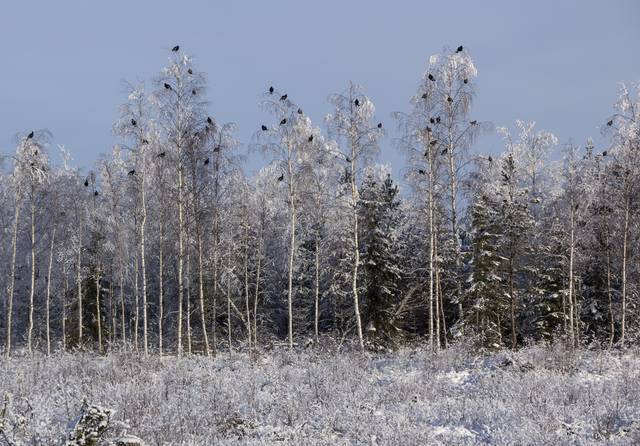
(444, 151)
(209, 120)
(281, 177)
(35, 152)
(284, 121)
(465, 80)
(357, 102)
(144, 141)
(432, 120)
(30, 135)
(167, 86)
(299, 111)
(460, 48)
(604, 153)
(490, 159)
(424, 96)
(421, 172)
(175, 48)
(434, 142)
(284, 97)
(431, 78)
(311, 138)
(474, 122)
(132, 172)
(86, 183)
(347, 159)
(264, 128)
(271, 90)
(610, 122)
(216, 149)
(95, 193)
(449, 99)
(134, 122)
(379, 125)
(438, 119)
(193, 92)
(162, 154)
(206, 162)
(190, 71)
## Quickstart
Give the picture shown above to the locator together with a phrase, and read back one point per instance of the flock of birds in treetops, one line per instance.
(283, 98)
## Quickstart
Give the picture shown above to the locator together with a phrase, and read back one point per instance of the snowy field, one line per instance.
(536, 396)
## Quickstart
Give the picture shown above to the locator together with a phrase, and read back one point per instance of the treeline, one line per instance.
(167, 246)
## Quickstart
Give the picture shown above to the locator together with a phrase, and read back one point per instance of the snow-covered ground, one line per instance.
(537, 396)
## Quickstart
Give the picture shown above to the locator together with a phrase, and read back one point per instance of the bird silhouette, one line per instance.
(347, 159)
(134, 122)
(299, 111)
(465, 80)
(209, 120)
(474, 122)
(284, 97)
(271, 90)
(379, 125)
(281, 177)
(193, 92)
(206, 162)
(490, 159)
(264, 128)
(216, 149)
(86, 183)
(284, 121)
(424, 96)
(95, 193)
(30, 135)
(460, 48)
(162, 154)
(144, 141)
(604, 153)
(444, 151)
(438, 119)
(431, 78)
(132, 172)
(433, 142)
(167, 86)
(35, 152)
(310, 139)
(175, 48)
(357, 102)
(610, 122)
(421, 172)
(449, 99)
(432, 120)
(190, 71)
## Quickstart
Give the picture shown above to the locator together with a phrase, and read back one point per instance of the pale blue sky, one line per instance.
(556, 62)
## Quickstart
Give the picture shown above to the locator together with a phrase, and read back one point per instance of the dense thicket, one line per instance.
(167, 246)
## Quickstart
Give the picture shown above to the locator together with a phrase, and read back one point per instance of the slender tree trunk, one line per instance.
(98, 312)
(161, 288)
(203, 320)
(64, 307)
(512, 291)
(246, 283)
(12, 279)
(48, 300)
(257, 294)
(136, 298)
(187, 284)
(356, 248)
(292, 247)
(79, 285)
(316, 318)
(229, 311)
(33, 272)
(625, 237)
(571, 260)
(454, 216)
(214, 309)
(180, 254)
(431, 252)
(112, 310)
(436, 315)
(609, 296)
(143, 265)
(123, 321)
